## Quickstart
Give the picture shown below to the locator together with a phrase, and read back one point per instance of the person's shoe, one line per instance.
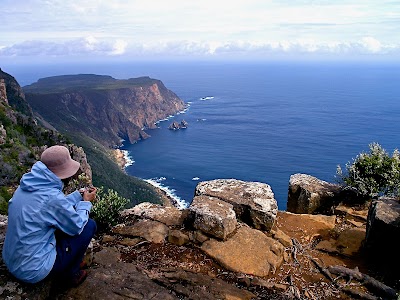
(79, 278)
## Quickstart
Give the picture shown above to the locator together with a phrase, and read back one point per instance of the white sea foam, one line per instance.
(129, 161)
(181, 203)
(195, 178)
(171, 116)
(207, 98)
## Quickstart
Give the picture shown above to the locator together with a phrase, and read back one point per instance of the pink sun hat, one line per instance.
(58, 160)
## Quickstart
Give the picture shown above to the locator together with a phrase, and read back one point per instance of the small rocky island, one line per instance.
(177, 126)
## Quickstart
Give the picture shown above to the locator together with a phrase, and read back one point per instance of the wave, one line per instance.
(181, 203)
(195, 178)
(207, 98)
(129, 161)
(171, 116)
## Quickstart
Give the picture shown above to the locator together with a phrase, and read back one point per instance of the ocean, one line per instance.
(256, 121)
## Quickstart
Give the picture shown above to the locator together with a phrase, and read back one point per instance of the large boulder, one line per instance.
(254, 202)
(168, 215)
(383, 225)
(213, 216)
(249, 251)
(308, 194)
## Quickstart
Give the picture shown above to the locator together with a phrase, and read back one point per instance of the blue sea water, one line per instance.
(263, 121)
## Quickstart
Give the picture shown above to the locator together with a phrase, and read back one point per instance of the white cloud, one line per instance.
(97, 47)
(206, 28)
(372, 44)
(119, 47)
(77, 47)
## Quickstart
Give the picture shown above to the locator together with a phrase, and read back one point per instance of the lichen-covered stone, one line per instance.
(254, 202)
(213, 216)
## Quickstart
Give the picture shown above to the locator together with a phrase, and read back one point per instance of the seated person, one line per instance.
(48, 232)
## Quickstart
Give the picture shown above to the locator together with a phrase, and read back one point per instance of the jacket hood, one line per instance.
(40, 177)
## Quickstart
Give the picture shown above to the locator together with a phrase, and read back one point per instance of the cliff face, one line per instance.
(14, 96)
(22, 140)
(102, 107)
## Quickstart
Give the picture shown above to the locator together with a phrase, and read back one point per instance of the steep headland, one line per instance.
(24, 135)
(101, 107)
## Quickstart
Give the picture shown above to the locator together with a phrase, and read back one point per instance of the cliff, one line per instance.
(14, 95)
(22, 140)
(101, 107)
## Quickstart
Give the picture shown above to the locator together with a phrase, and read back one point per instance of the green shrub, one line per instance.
(5, 195)
(373, 174)
(107, 207)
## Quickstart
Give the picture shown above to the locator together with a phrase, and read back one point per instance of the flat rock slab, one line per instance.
(152, 231)
(213, 216)
(348, 243)
(304, 225)
(201, 287)
(249, 251)
(117, 280)
(254, 202)
(168, 215)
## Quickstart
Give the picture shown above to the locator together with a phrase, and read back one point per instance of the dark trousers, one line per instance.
(71, 250)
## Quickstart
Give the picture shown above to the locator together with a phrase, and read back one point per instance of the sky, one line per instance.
(206, 29)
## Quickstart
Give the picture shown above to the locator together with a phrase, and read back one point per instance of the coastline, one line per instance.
(124, 159)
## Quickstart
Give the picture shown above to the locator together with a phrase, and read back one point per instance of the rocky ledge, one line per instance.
(215, 250)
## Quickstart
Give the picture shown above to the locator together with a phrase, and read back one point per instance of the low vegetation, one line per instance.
(107, 207)
(374, 173)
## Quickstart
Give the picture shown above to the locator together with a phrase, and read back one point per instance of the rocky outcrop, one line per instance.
(176, 126)
(3, 134)
(14, 95)
(3, 91)
(308, 194)
(253, 202)
(106, 109)
(383, 224)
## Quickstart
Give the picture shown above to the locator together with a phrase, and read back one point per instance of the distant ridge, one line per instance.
(62, 83)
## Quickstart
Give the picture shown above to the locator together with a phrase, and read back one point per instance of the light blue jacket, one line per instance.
(37, 208)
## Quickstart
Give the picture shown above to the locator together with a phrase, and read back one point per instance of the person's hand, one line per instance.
(89, 194)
